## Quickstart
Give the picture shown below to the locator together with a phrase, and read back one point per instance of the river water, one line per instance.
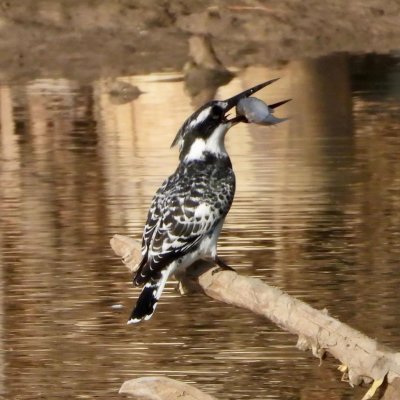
(316, 213)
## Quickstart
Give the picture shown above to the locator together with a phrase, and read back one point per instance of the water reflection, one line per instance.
(316, 213)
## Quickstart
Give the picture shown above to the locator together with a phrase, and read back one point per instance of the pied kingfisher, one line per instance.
(188, 210)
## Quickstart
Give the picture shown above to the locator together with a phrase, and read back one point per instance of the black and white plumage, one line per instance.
(187, 212)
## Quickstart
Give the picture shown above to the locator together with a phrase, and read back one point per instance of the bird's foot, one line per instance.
(222, 264)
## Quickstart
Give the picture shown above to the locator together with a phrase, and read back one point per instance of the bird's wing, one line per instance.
(186, 213)
(154, 216)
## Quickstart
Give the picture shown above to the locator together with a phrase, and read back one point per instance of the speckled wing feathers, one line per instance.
(186, 208)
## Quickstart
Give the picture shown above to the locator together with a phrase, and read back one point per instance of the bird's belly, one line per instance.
(207, 249)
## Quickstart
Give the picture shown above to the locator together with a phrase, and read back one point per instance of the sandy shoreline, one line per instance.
(84, 40)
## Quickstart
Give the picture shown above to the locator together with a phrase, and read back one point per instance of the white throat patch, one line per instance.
(213, 144)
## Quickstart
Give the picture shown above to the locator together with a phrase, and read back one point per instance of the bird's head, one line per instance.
(204, 131)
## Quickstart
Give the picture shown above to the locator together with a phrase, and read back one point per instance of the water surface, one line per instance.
(316, 213)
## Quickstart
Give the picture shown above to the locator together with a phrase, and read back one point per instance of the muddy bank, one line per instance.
(86, 39)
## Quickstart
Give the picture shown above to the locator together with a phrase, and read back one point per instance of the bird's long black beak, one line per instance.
(232, 102)
(279, 103)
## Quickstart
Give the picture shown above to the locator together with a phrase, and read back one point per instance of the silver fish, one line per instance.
(256, 111)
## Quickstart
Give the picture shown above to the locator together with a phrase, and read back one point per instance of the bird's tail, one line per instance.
(147, 301)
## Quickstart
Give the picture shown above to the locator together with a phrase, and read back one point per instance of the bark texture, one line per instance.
(162, 388)
(363, 359)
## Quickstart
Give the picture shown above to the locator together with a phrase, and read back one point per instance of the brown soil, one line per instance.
(87, 38)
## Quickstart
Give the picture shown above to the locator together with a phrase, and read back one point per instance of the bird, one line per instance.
(188, 210)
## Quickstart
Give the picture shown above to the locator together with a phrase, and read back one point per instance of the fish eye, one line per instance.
(216, 112)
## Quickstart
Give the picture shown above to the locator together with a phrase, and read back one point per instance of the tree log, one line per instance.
(363, 359)
(162, 388)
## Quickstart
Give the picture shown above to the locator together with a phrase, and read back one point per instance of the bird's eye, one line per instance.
(216, 112)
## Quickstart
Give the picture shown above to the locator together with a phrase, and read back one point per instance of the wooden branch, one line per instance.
(363, 359)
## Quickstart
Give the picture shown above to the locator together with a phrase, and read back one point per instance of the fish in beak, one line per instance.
(251, 109)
